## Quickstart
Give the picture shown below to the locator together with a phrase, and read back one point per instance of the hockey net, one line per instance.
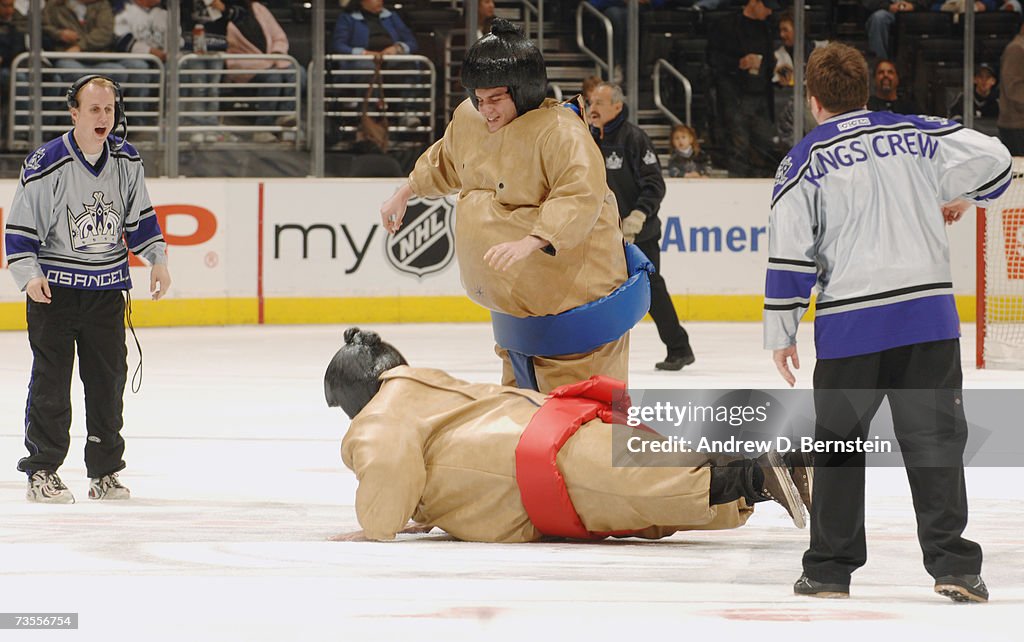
(1000, 275)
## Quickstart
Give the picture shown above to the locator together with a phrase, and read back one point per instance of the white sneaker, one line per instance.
(108, 487)
(221, 137)
(288, 120)
(45, 487)
(264, 137)
(196, 138)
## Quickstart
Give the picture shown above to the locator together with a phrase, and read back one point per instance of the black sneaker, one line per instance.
(779, 486)
(962, 588)
(813, 588)
(676, 361)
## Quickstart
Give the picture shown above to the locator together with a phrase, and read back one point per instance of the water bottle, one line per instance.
(199, 39)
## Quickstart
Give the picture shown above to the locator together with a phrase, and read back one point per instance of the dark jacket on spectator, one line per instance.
(735, 36)
(195, 12)
(633, 171)
(12, 38)
(97, 34)
(679, 165)
(984, 107)
(902, 105)
(352, 35)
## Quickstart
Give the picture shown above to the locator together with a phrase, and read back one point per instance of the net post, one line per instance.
(979, 290)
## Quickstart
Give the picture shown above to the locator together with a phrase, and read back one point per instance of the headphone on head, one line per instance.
(120, 119)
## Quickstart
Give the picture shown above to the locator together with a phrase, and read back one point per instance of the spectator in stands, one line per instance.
(886, 96)
(957, 6)
(881, 18)
(140, 27)
(634, 176)
(784, 77)
(617, 12)
(686, 161)
(484, 17)
(1011, 99)
(986, 96)
(13, 30)
(258, 32)
(740, 56)
(79, 26)
(200, 75)
(366, 27)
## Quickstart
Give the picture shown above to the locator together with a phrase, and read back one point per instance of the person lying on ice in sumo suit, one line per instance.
(490, 463)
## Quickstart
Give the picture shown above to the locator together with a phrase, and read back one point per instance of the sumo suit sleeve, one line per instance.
(574, 169)
(435, 174)
(388, 462)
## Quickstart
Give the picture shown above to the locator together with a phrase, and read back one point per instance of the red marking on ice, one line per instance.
(800, 615)
(457, 613)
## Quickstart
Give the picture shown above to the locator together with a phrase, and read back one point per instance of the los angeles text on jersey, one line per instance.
(101, 281)
(913, 143)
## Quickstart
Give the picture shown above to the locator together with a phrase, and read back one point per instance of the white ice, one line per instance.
(237, 484)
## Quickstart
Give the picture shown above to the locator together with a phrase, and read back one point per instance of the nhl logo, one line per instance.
(426, 242)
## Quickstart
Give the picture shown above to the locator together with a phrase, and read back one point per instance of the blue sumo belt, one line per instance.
(579, 330)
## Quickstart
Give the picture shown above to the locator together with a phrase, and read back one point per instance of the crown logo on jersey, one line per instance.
(614, 161)
(34, 162)
(97, 228)
(783, 170)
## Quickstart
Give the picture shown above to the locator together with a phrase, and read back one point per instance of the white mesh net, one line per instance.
(1003, 334)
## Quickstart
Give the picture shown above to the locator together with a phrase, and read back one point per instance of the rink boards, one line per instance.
(247, 251)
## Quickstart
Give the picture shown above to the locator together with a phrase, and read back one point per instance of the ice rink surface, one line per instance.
(237, 483)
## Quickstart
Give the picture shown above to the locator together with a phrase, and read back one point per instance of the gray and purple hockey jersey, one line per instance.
(856, 210)
(73, 222)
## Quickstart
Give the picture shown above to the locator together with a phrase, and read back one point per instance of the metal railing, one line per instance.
(529, 11)
(409, 96)
(609, 64)
(142, 85)
(449, 68)
(261, 105)
(663, 65)
(237, 104)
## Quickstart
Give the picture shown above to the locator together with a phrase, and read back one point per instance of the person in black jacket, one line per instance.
(634, 175)
(742, 62)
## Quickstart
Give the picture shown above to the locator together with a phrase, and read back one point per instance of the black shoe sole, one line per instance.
(674, 365)
(825, 595)
(959, 593)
